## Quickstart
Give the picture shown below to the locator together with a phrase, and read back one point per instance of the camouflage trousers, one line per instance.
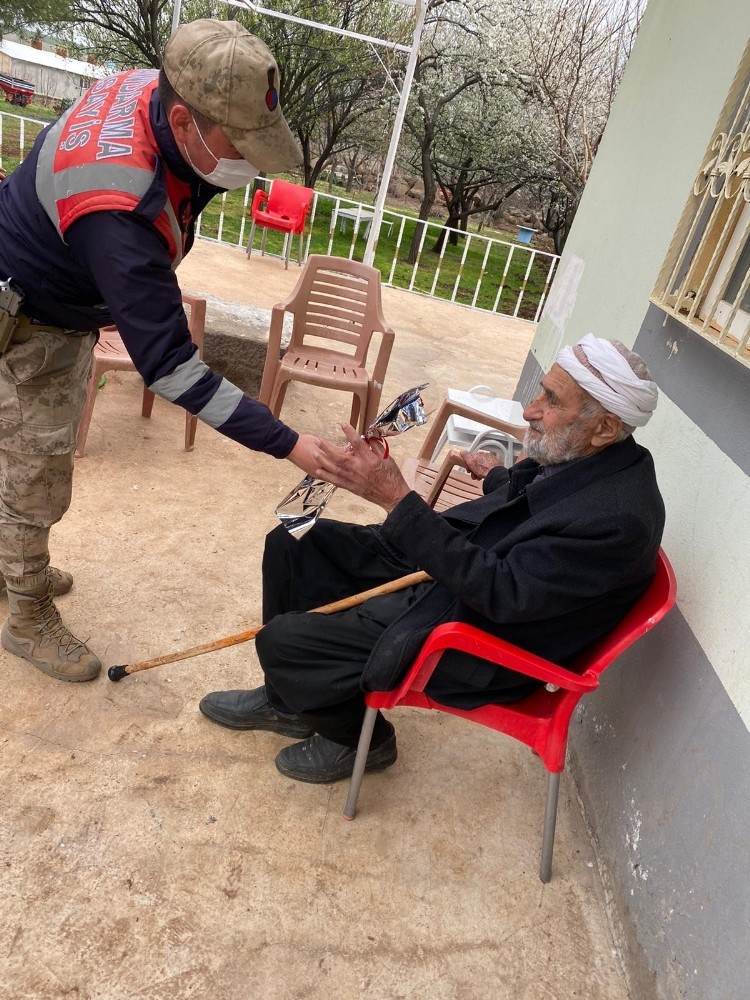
(42, 391)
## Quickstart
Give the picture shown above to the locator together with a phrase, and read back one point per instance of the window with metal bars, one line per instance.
(705, 280)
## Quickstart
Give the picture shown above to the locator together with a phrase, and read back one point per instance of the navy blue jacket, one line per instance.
(115, 268)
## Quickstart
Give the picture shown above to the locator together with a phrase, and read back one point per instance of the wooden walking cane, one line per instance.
(117, 673)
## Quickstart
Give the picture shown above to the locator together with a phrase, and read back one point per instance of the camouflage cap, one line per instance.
(230, 76)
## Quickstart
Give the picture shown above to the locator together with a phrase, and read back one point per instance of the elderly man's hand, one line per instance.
(359, 467)
(480, 463)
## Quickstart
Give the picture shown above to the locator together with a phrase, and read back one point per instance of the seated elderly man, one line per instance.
(550, 558)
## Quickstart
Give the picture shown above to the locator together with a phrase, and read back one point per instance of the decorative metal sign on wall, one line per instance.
(705, 280)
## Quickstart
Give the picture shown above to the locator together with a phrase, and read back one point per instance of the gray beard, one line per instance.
(553, 447)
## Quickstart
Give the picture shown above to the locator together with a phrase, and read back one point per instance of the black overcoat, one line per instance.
(551, 565)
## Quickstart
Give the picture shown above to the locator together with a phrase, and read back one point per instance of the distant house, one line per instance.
(659, 257)
(55, 77)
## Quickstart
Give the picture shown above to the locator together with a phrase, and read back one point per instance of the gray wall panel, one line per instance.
(689, 370)
(657, 753)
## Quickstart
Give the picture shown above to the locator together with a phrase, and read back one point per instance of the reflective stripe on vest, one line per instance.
(102, 155)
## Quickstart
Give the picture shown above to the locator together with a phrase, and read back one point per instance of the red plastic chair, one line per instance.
(284, 209)
(540, 721)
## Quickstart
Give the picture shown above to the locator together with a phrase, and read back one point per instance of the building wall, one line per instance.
(53, 84)
(660, 753)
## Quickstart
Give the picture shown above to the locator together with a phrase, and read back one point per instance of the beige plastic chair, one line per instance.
(447, 484)
(335, 302)
(110, 354)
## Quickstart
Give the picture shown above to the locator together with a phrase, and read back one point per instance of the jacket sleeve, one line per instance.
(130, 266)
(544, 575)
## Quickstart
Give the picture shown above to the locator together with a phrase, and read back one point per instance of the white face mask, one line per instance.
(227, 174)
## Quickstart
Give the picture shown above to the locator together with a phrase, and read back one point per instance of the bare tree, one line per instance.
(487, 153)
(18, 15)
(447, 68)
(506, 93)
(330, 84)
(128, 34)
(576, 51)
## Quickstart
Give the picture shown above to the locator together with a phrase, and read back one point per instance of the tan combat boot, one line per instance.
(61, 581)
(36, 632)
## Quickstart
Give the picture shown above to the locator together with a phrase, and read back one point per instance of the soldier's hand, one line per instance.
(306, 454)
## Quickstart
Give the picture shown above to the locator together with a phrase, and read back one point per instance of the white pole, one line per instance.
(251, 5)
(176, 15)
(421, 11)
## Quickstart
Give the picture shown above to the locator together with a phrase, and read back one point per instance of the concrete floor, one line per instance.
(146, 853)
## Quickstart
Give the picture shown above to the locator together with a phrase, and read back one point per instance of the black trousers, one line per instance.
(312, 663)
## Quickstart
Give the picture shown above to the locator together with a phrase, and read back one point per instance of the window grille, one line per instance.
(705, 280)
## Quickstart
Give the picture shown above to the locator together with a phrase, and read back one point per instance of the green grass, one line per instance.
(449, 267)
(11, 131)
(36, 111)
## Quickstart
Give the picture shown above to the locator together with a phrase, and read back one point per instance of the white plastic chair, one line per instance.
(462, 433)
(504, 446)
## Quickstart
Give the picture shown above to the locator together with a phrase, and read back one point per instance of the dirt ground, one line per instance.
(147, 853)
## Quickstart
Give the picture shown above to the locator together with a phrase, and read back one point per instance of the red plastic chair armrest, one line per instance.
(260, 198)
(467, 639)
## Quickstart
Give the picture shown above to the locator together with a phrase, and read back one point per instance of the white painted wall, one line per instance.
(54, 84)
(644, 171)
(708, 541)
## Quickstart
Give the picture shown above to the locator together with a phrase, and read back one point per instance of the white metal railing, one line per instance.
(482, 272)
(479, 271)
(17, 135)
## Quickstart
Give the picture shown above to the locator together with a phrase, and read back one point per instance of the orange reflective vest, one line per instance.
(102, 155)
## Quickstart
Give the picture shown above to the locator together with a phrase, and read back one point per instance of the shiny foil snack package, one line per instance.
(301, 508)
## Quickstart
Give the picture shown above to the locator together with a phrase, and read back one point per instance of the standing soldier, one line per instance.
(92, 226)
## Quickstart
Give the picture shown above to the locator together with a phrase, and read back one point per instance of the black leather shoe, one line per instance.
(251, 710)
(321, 761)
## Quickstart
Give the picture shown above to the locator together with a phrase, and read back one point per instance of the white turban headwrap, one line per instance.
(631, 398)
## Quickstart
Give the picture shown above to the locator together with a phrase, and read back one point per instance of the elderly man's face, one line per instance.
(557, 432)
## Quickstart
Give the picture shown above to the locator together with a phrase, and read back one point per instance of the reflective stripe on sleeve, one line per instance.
(228, 397)
(184, 377)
